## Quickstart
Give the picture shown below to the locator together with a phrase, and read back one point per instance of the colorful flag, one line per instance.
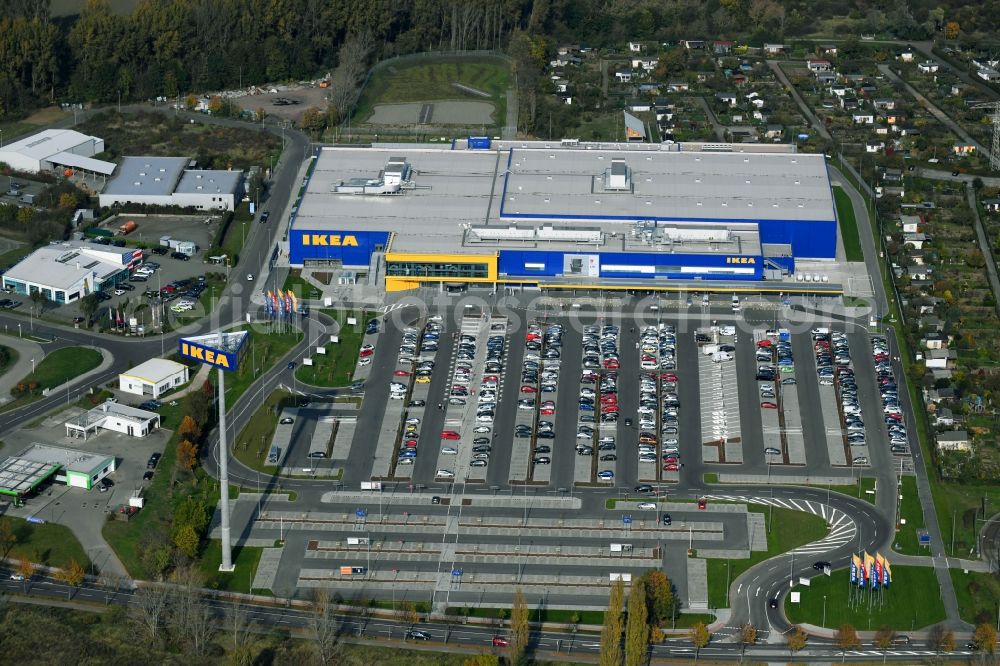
(880, 568)
(274, 302)
(873, 581)
(295, 301)
(857, 578)
(288, 303)
(886, 572)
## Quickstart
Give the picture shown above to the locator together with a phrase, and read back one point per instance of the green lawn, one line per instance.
(265, 349)
(789, 529)
(909, 511)
(254, 441)
(910, 603)
(299, 286)
(53, 370)
(336, 366)
(245, 558)
(49, 544)
(978, 595)
(848, 225)
(432, 79)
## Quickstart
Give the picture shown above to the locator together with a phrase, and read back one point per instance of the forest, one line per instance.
(176, 47)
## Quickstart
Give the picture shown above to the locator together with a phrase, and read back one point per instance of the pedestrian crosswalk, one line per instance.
(843, 529)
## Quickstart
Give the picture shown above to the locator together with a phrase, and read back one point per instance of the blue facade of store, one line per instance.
(522, 264)
(351, 248)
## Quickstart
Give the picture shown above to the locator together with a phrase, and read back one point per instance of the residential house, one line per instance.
(564, 60)
(992, 205)
(928, 67)
(738, 79)
(826, 50)
(884, 104)
(917, 257)
(958, 89)
(693, 44)
(934, 341)
(774, 132)
(639, 105)
(910, 223)
(848, 103)
(819, 65)
(635, 129)
(678, 86)
(567, 99)
(909, 130)
(944, 417)
(742, 134)
(939, 395)
(963, 148)
(624, 75)
(839, 91)
(761, 115)
(864, 118)
(874, 146)
(906, 56)
(891, 117)
(882, 131)
(914, 240)
(729, 98)
(988, 74)
(664, 111)
(891, 175)
(920, 273)
(931, 322)
(646, 64)
(635, 47)
(720, 47)
(560, 84)
(825, 78)
(775, 49)
(953, 440)
(758, 102)
(853, 79)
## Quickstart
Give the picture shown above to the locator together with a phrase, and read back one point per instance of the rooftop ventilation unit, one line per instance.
(618, 177)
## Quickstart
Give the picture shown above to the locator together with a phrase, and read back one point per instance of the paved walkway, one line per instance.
(940, 562)
(26, 350)
(984, 245)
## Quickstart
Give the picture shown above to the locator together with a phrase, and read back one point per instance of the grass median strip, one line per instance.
(911, 519)
(53, 370)
(848, 225)
(789, 529)
(335, 366)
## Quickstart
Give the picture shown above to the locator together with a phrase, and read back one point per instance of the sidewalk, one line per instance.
(26, 350)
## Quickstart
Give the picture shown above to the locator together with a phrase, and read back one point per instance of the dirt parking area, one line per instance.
(199, 229)
(304, 97)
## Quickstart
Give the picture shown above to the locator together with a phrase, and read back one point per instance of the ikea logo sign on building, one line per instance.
(218, 358)
(330, 240)
(741, 260)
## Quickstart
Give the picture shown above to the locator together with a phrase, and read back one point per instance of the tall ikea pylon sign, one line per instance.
(223, 351)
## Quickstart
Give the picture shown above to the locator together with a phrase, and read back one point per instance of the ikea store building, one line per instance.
(566, 215)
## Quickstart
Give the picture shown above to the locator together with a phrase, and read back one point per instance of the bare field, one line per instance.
(306, 96)
(443, 112)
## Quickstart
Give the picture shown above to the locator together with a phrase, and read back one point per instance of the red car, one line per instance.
(401, 373)
(450, 434)
(410, 444)
(764, 343)
(611, 364)
(491, 378)
(547, 411)
(671, 467)
(768, 405)
(364, 353)
(668, 377)
(500, 641)
(701, 504)
(528, 389)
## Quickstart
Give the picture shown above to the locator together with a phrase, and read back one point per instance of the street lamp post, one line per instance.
(824, 610)
(32, 366)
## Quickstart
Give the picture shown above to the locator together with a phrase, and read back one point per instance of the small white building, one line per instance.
(928, 67)
(77, 469)
(153, 378)
(635, 47)
(953, 440)
(113, 416)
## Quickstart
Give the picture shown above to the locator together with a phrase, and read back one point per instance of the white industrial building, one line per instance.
(66, 272)
(168, 181)
(54, 150)
(78, 469)
(115, 417)
(153, 378)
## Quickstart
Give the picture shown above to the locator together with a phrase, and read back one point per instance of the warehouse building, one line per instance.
(115, 417)
(168, 181)
(56, 150)
(66, 272)
(566, 215)
(153, 378)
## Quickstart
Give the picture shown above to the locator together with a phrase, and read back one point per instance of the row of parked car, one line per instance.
(540, 376)
(833, 363)
(658, 399)
(889, 393)
(422, 366)
(601, 361)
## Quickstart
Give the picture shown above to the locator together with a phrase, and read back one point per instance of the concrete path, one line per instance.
(984, 245)
(26, 350)
(803, 107)
(720, 131)
(947, 562)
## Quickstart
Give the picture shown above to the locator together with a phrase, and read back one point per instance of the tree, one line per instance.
(190, 102)
(313, 120)
(26, 568)
(188, 429)
(482, 660)
(659, 595)
(408, 610)
(72, 575)
(241, 629)
(38, 300)
(637, 627)
(67, 201)
(700, 637)
(985, 638)
(187, 541)
(110, 582)
(884, 638)
(88, 306)
(951, 29)
(149, 610)
(190, 617)
(215, 104)
(519, 631)
(323, 626)
(187, 455)
(748, 636)
(611, 632)
(796, 640)
(947, 641)
(846, 639)
(7, 536)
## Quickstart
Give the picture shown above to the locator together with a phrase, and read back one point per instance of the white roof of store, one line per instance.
(209, 181)
(73, 460)
(47, 143)
(147, 176)
(62, 266)
(154, 371)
